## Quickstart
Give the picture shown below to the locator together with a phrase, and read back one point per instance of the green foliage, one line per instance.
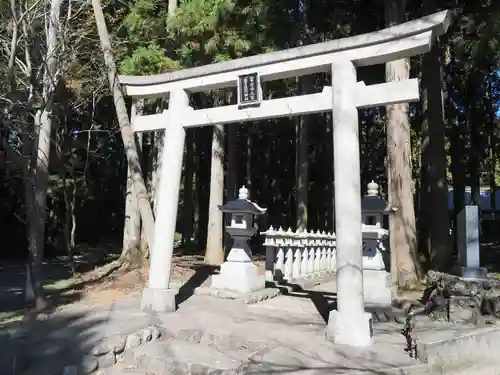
(146, 21)
(202, 32)
(177, 237)
(147, 60)
(199, 32)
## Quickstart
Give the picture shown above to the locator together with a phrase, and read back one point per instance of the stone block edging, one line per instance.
(247, 298)
(106, 352)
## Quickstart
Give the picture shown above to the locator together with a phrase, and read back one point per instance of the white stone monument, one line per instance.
(349, 324)
(238, 273)
(467, 230)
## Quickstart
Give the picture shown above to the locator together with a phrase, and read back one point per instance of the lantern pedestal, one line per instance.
(377, 288)
(239, 277)
(377, 285)
(239, 273)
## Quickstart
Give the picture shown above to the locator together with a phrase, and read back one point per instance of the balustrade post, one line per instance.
(312, 253)
(288, 255)
(280, 256)
(328, 253)
(271, 248)
(297, 256)
(334, 252)
(304, 264)
(323, 263)
(317, 253)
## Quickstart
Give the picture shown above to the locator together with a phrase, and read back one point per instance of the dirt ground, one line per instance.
(120, 283)
(106, 284)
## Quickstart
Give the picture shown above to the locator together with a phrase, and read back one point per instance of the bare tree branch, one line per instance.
(13, 47)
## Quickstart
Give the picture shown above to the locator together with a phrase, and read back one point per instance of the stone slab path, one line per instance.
(208, 335)
(283, 335)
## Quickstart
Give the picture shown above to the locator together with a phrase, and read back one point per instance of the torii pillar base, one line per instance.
(346, 329)
(158, 300)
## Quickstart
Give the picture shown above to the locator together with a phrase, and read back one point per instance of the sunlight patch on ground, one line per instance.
(10, 317)
(62, 284)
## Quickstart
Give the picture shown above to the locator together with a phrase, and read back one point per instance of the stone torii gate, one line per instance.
(349, 324)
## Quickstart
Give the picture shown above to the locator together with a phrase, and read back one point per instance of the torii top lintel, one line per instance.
(399, 41)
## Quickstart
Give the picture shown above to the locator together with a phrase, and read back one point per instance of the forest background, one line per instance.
(63, 173)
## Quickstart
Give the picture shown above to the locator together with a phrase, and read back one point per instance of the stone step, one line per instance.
(461, 369)
(223, 341)
(197, 351)
(491, 369)
(176, 357)
(464, 345)
(190, 351)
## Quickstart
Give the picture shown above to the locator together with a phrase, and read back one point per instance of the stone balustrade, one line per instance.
(292, 255)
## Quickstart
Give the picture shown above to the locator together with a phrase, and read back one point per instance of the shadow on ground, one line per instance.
(324, 302)
(267, 368)
(35, 347)
(201, 274)
(55, 274)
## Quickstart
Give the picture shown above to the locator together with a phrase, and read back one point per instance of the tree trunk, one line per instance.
(301, 132)
(457, 151)
(27, 149)
(434, 197)
(187, 220)
(231, 176)
(11, 76)
(156, 158)
(232, 162)
(302, 157)
(214, 253)
(70, 222)
(474, 116)
(125, 128)
(403, 242)
(204, 149)
(248, 161)
(474, 151)
(457, 146)
(172, 6)
(43, 122)
(492, 144)
(132, 250)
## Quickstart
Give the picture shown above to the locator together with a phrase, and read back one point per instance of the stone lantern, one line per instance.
(374, 207)
(376, 279)
(375, 237)
(238, 273)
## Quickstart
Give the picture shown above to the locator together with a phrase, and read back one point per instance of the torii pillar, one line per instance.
(349, 324)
